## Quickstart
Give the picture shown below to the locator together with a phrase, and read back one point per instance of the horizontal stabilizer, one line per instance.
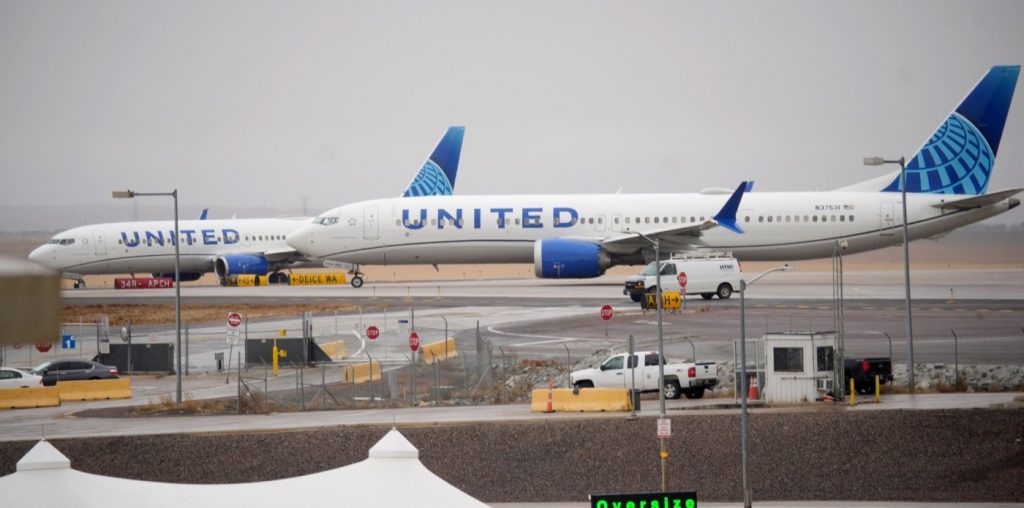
(977, 201)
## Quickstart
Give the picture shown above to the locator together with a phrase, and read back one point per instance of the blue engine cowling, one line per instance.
(240, 264)
(184, 277)
(558, 258)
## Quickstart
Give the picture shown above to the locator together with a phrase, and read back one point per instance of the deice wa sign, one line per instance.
(651, 500)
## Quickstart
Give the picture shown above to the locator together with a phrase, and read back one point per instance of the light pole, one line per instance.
(177, 276)
(878, 161)
(661, 352)
(744, 437)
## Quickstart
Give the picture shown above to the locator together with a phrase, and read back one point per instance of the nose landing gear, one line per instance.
(357, 277)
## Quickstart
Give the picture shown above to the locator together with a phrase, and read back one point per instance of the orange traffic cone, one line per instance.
(752, 392)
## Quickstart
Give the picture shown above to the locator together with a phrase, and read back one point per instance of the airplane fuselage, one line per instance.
(503, 229)
(148, 247)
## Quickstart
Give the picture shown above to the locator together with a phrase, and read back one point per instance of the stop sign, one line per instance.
(682, 279)
(43, 347)
(606, 312)
(372, 332)
(234, 319)
(414, 341)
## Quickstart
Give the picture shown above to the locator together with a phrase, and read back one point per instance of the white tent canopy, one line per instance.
(392, 476)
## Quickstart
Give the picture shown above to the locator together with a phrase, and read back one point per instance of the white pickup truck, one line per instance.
(619, 371)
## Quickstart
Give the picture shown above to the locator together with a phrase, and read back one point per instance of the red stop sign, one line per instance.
(372, 332)
(43, 347)
(414, 341)
(606, 312)
(682, 280)
(234, 319)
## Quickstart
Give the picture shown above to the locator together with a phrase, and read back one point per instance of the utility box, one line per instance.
(799, 367)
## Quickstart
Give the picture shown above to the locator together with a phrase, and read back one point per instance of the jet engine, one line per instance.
(240, 264)
(559, 258)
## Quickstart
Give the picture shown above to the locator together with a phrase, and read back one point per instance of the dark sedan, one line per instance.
(73, 370)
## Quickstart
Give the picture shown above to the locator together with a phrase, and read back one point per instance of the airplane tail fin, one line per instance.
(959, 156)
(437, 176)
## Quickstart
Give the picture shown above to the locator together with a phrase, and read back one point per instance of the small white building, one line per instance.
(798, 366)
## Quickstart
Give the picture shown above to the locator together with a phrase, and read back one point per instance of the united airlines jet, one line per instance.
(225, 247)
(580, 236)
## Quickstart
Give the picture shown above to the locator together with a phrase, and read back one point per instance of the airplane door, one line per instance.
(886, 219)
(371, 229)
(98, 243)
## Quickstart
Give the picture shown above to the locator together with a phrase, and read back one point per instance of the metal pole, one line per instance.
(177, 292)
(661, 366)
(743, 392)
(906, 277)
(956, 358)
(632, 393)
(187, 329)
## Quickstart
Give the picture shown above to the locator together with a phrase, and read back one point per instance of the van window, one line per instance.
(650, 269)
(669, 269)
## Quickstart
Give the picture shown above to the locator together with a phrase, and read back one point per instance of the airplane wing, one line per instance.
(282, 254)
(675, 238)
(977, 201)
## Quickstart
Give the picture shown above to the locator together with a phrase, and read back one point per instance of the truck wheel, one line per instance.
(694, 393)
(636, 297)
(583, 384)
(707, 296)
(724, 291)
(672, 390)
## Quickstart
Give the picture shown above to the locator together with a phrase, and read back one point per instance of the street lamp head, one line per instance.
(788, 267)
(873, 161)
(124, 194)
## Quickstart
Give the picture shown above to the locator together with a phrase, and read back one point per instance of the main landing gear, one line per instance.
(277, 278)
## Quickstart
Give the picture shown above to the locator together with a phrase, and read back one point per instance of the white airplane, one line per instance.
(225, 247)
(580, 236)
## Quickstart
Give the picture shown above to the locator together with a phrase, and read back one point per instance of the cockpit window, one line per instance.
(61, 241)
(325, 221)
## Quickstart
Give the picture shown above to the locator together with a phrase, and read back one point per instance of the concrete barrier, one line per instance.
(334, 350)
(588, 400)
(44, 396)
(439, 351)
(361, 372)
(95, 389)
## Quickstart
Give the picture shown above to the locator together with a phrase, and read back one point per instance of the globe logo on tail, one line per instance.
(430, 181)
(956, 160)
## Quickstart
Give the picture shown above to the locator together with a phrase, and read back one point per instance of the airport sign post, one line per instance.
(42, 348)
(606, 315)
(414, 341)
(234, 322)
(372, 332)
(682, 287)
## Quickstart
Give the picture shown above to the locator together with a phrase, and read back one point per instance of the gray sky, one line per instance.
(258, 104)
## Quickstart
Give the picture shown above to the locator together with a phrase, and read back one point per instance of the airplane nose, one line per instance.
(301, 240)
(39, 256)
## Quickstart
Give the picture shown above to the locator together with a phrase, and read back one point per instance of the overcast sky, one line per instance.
(242, 104)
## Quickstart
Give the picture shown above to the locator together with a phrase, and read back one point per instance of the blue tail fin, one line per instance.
(960, 155)
(437, 176)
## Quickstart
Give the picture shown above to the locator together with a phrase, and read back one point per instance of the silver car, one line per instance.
(17, 378)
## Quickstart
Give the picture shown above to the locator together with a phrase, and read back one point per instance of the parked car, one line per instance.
(706, 277)
(73, 370)
(621, 371)
(17, 378)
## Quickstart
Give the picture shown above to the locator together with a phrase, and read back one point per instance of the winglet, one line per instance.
(727, 215)
(437, 175)
(202, 216)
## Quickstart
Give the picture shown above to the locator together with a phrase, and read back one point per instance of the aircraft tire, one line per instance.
(357, 282)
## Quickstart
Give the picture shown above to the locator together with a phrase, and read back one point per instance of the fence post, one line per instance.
(239, 379)
(956, 359)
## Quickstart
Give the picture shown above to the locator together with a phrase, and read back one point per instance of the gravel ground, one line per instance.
(947, 456)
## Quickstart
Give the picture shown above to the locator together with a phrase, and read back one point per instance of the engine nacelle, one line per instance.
(240, 264)
(558, 258)
(184, 277)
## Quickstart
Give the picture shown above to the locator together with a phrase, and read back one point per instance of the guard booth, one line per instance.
(799, 367)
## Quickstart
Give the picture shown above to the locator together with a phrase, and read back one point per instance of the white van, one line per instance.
(706, 277)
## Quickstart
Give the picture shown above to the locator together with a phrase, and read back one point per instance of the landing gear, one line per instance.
(80, 284)
(277, 278)
(357, 277)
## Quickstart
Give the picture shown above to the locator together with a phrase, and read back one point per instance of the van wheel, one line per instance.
(724, 291)
(583, 384)
(635, 297)
(707, 296)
